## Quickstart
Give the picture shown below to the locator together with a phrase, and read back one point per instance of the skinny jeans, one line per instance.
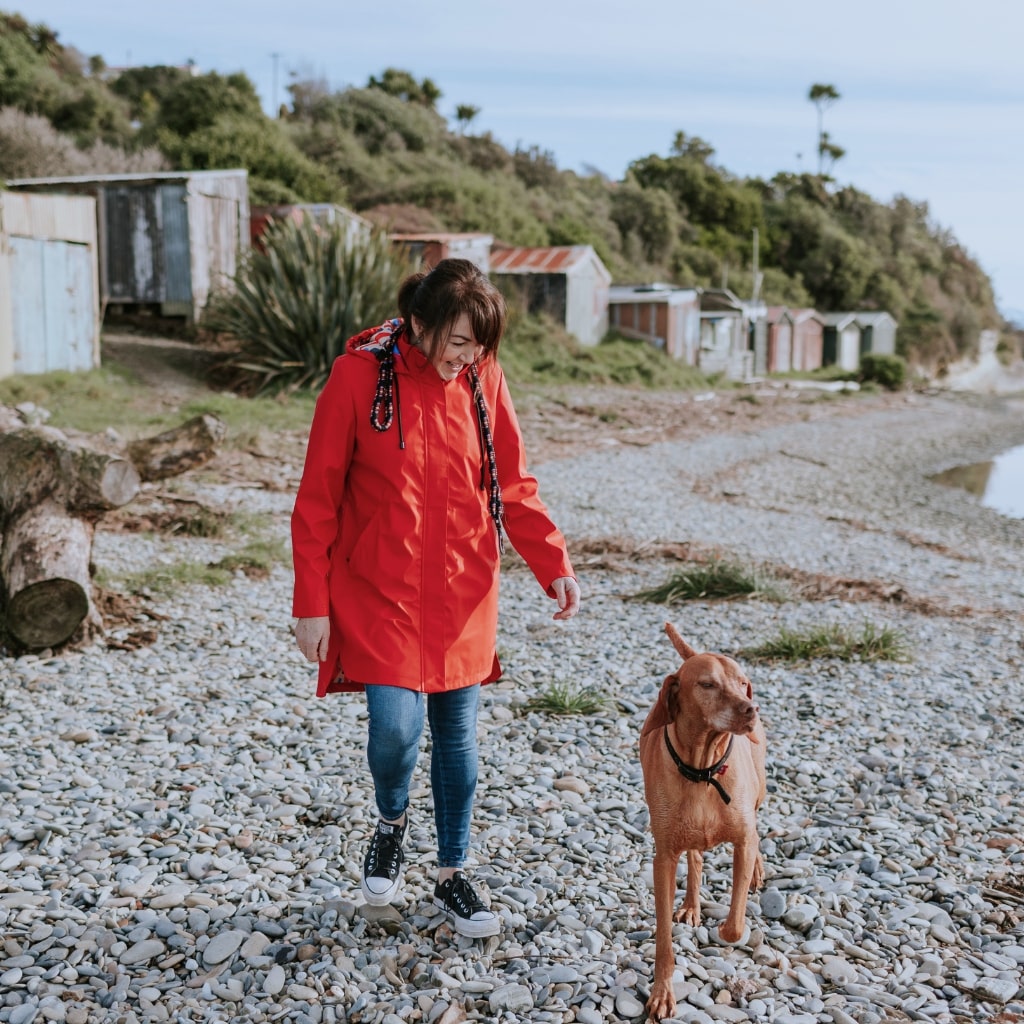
(396, 725)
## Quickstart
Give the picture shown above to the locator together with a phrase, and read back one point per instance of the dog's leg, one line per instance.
(757, 878)
(662, 1002)
(689, 912)
(745, 859)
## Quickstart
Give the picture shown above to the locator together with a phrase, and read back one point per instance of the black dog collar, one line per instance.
(707, 775)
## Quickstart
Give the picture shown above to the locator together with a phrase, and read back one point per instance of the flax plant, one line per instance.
(299, 297)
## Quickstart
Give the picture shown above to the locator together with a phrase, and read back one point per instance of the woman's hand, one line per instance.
(312, 636)
(567, 593)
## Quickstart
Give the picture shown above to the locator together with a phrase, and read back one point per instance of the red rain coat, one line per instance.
(396, 545)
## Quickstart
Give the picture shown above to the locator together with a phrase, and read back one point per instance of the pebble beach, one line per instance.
(182, 823)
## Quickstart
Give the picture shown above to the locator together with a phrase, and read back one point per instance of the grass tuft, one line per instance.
(714, 579)
(568, 699)
(833, 641)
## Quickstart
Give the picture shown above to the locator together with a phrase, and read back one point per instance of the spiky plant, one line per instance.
(298, 298)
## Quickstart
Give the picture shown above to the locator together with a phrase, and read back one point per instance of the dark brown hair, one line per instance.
(437, 298)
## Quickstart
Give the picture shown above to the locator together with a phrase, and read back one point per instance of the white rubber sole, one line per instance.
(471, 929)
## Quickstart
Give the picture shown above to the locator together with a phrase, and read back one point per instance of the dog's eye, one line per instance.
(706, 684)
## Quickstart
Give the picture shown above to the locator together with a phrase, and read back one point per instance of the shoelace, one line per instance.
(385, 855)
(463, 897)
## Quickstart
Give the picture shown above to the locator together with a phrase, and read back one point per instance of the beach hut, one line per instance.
(780, 340)
(724, 335)
(429, 248)
(318, 213)
(568, 282)
(794, 339)
(808, 328)
(841, 341)
(49, 284)
(877, 332)
(666, 316)
(167, 239)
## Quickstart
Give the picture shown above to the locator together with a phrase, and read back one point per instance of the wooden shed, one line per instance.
(877, 332)
(318, 213)
(167, 239)
(724, 335)
(569, 282)
(49, 284)
(666, 316)
(794, 339)
(840, 344)
(430, 248)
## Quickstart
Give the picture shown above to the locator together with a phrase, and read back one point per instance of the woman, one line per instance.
(414, 469)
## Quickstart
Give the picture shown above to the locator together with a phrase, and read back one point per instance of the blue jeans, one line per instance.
(396, 724)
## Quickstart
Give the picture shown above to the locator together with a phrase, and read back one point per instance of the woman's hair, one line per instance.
(437, 298)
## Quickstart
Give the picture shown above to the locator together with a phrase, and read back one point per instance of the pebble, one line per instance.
(185, 833)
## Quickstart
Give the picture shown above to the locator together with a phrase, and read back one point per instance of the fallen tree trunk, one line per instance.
(178, 450)
(52, 493)
(44, 564)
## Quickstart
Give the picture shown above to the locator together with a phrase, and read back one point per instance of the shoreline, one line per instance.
(181, 824)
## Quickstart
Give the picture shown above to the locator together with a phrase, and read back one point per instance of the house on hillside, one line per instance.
(49, 284)
(568, 282)
(666, 316)
(877, 332)
(429, 248)
(166, 239)
(840, 343)
(318, 213)
(794, 339)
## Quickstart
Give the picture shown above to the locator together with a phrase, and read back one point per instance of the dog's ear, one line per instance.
(670, 688)
(684, 649)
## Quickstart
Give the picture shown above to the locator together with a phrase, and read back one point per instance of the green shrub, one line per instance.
(297, 302)
(833, 641)
(716, 579)
(889, 371)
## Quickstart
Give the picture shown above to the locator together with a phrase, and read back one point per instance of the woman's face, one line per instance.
(458, 352)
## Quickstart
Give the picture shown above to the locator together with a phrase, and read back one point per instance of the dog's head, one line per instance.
(710, 688)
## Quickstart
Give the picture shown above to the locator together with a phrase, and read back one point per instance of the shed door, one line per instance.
(176, 251)
(134, 257)
(52, 305)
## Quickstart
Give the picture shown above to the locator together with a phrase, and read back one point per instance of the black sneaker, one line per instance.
(382, 865)
(471, 916)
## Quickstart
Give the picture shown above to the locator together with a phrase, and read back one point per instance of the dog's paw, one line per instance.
(662, 1002)
(724, 936)
(687, 915)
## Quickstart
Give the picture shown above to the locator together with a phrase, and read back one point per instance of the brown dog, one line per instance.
(702, 750)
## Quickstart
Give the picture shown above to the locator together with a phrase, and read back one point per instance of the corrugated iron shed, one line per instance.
(166, 239)
(49, 284)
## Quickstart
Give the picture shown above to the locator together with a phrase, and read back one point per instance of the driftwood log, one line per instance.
(178, 450)
(53, 491)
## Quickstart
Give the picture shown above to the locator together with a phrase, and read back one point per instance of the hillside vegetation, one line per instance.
(385, 151)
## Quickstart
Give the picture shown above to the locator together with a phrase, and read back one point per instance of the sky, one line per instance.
(931, 93)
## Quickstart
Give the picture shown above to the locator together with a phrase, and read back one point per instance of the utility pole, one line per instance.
(274, 57)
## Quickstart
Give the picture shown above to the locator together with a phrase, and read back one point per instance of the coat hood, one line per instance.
(376, 341)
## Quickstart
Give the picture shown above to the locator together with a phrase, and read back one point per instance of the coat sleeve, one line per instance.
(317, 512)
(527, 522)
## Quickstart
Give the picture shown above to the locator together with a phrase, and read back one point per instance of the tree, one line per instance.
(396, 82)
(464, 113)
(823, 96)
(828, 153)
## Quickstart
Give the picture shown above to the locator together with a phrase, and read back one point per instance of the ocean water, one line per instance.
(999, 483)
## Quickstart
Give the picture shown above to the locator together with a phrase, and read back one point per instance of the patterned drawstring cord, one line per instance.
(386, 403)
(385, 398)
(494, 503)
